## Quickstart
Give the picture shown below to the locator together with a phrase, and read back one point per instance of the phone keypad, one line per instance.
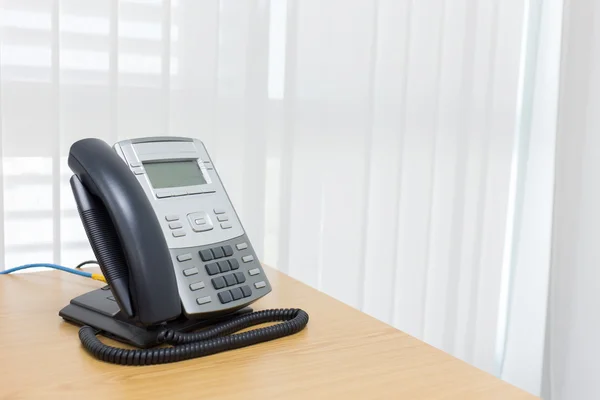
(234, 278)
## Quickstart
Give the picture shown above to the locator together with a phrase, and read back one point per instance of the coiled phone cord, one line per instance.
(199, 344)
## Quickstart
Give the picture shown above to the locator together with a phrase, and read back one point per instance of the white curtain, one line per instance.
(368, 146)
(572, 347)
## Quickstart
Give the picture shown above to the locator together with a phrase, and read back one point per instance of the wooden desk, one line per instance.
(343, 353)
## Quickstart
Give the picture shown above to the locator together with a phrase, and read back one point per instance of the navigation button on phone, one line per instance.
(179, 233)
(172, 217)
(200, 221)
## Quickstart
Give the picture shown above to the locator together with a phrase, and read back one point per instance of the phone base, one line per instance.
(99, 310)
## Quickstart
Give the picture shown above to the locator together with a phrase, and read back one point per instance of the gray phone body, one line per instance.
(215, 265)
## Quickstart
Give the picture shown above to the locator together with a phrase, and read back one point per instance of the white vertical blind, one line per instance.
(571, 369)
(367, 145)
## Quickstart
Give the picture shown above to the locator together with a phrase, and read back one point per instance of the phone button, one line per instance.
(225, 297)
(179, 233)
(138, 170)
(222, 218)
(239, 277)
(219, 282)
(197, 285)
(234, 264)
(217, 252)
(212, 268)
(230, 280)
(172, 217)
(219, 211)
(184, 257)
(246, 291)
(248, 258)
(236, 293)
(175, 225)
(200, 221)
(206, 255)
(203, 300)
(227, 250)
(190, 271)
(224, 266)
(254, 271)
(241, 246)
(260, 285)
(225, 225)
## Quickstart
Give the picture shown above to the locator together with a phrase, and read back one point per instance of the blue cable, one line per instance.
(53, 266)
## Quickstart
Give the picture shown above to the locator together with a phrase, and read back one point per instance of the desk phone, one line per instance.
(172, 248)
(216, 268)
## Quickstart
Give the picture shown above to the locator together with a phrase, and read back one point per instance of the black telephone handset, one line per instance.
(124, 232)
(173, 251)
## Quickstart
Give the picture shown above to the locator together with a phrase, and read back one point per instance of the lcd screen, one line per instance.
(172, 174)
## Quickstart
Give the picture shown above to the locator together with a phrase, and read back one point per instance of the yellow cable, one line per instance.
(98, 277)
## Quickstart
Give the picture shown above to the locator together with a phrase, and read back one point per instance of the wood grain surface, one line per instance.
(343, 353)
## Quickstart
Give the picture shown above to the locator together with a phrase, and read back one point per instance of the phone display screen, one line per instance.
(170, 174)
